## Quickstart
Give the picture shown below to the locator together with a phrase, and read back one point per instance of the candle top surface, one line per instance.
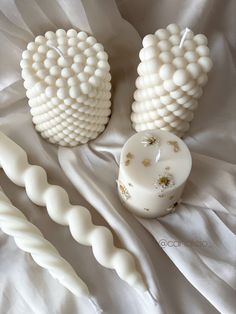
(156, 160)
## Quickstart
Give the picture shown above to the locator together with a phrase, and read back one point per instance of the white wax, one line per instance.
(67, 77)
(14, 162)
(31, 240)
(154, 167)
(172, 72)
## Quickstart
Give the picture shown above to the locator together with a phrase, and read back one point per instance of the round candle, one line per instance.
(154, 167)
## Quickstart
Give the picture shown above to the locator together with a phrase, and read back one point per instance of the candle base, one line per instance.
(146, 214)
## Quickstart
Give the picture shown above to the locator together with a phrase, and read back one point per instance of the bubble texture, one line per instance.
(67, 80)
(170, 81)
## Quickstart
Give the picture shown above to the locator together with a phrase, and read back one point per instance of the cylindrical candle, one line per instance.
(67, 77)
(172, 72)
(154, 167)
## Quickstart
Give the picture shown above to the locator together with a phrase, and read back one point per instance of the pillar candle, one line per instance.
(154, 167)
(171, 75)
(67, 78)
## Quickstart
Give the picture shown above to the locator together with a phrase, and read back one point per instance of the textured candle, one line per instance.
(29, 239)
(14, 162)
(154, 166)
(67, 79)
(172, 73)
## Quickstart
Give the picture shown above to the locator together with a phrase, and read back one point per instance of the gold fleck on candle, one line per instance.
(146, 162)
(175, 146)
(172, 208)
(127, 162)
(171, 197)
(123, 190)
(129, 156)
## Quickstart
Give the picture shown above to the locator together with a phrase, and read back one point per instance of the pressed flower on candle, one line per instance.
(158, 173)
(164, 181)
(149, 140)
(123, 190)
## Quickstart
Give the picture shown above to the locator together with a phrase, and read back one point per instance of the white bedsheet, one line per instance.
(188, 258)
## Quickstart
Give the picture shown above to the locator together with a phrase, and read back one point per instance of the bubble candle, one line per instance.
(172, 72)
(67, 78)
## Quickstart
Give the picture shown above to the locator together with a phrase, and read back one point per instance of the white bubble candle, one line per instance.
(172, 72)
(154, 167)
(67, 78)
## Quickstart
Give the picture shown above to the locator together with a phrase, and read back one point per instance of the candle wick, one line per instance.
(95, 305)
(152, 297)
(57, 50)
(184, 37)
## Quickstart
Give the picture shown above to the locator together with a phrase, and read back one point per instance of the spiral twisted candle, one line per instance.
(14, 162)
(29, 239)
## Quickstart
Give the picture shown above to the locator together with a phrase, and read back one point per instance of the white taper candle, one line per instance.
(13, 160)
(29, 239)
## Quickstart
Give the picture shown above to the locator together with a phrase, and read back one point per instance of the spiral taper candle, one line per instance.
(13, 160)
(29, 239)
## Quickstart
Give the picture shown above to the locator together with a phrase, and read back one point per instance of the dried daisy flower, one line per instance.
(164, 181)
(149, 140)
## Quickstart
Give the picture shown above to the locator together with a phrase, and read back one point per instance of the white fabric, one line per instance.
(187, 275)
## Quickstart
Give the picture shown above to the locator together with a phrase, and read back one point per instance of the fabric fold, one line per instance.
(193, 269)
